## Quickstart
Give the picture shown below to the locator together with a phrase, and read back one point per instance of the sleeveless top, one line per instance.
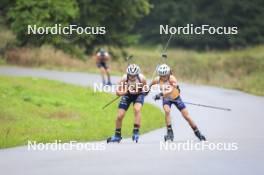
(136, 86)
(166, 85)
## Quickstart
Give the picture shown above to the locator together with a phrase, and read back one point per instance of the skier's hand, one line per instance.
(146, 93)
(158, 96)
(178, 87)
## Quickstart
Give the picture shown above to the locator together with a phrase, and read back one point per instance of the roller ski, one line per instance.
(114, 139)
(135, 137)
(199, 135)
(169, 136)
(109, 83)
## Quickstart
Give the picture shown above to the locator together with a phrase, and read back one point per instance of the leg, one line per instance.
(167, 110)
(108, 75)
(137, 109)
(102, 70)
(187, 117)
(120, 116)
(137, 113)
(123, 106)
(138, 103)
(117, 137)
(170, 135)
(182, 108)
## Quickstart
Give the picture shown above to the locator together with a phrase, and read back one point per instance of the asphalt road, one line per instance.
(242, 126)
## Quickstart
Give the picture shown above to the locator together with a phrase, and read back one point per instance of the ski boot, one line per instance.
(114, 139)
(135, 137)
(199, 135)
(169, 136)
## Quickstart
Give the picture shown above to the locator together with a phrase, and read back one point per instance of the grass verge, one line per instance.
(44, 110)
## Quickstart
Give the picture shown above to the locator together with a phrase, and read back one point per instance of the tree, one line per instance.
(41, 13)
(246, 15)
(117, 16)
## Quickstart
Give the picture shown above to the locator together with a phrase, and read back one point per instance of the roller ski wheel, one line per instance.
(114, 139)
(199, 135)
(169, 136)
(135, 138)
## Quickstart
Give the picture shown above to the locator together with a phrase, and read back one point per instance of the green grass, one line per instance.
(44, 111)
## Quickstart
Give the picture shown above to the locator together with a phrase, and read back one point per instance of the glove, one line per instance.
(178, 87)
(158, 96)
(146, 93)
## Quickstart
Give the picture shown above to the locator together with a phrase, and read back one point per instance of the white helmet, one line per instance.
(163, 69)
(133, 69)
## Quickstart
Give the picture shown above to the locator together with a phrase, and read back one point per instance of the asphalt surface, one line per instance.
(243, 126)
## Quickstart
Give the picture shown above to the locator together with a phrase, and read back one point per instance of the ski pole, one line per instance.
(110, 102)
(128, 59)
(116, 98)
(207, 106)
(164, 54)
(167, 44)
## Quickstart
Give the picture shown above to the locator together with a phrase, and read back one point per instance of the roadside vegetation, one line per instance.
(237, 69)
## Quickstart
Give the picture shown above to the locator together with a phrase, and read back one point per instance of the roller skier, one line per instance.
(170, 95)
(102, 57)
(131, 89)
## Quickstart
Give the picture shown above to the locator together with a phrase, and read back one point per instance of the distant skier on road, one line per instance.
(102, 57)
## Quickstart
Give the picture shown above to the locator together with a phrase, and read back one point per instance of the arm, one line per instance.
(96, 58)
(107, 57)
(154, 82)
(144, 85)
(122, 88)
(173, 81)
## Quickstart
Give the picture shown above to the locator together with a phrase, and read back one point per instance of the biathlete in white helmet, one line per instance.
(131, 88)
(170, 94)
